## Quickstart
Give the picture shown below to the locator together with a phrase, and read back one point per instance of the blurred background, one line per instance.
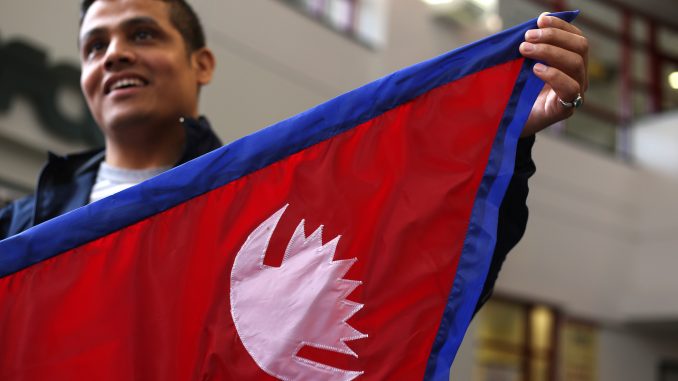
(591, 292)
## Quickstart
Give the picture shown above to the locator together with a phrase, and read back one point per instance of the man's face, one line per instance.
(135, 67)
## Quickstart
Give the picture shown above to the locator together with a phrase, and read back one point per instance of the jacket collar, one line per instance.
(200, 139)
(66, 181)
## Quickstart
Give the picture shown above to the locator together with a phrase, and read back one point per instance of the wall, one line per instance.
(599, 239)
(628, 356)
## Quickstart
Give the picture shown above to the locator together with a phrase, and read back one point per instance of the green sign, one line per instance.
(25, 72)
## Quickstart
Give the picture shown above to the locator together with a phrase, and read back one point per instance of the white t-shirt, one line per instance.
(112, 180)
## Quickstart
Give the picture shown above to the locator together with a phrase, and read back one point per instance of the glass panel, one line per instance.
(604, 76)
(639, 30)
(668, 41)
(542, 328)
(501, 342)
(502, 351)
(499, 358)
(502, 322)
(579, 351)
(542, 320)
(497, 372)
(539, 370)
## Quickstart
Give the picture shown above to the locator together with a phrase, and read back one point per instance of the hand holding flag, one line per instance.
(562, 51)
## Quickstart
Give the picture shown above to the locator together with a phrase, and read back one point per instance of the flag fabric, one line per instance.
(348, 242)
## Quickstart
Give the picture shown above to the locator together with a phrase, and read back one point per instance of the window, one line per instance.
(523, 341)
(361, 20)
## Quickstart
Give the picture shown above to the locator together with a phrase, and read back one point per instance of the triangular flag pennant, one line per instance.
(348, 242)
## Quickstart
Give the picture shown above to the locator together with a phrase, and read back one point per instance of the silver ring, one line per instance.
(577, 102)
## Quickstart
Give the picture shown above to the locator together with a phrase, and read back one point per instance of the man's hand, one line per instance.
(564, 50)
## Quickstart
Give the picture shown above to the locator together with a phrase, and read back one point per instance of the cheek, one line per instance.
(88, 83)
(175, 69)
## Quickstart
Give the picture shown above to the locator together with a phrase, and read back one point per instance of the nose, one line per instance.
(118, 55)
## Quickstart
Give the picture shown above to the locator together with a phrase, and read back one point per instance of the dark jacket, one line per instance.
(65, 183)
(513, 212)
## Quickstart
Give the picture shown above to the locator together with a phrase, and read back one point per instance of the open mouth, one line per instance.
(125, 83)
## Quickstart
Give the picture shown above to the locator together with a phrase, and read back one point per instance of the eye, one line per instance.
(143, 35)
(94, 47)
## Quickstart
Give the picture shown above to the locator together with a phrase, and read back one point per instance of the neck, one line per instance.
(134, 152)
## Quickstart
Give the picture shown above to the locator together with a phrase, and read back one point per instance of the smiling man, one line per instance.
(140, 76)
(143, 64)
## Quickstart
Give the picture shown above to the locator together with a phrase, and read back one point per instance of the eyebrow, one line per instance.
(129, 23)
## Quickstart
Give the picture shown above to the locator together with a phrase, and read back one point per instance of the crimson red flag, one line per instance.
(350, 241)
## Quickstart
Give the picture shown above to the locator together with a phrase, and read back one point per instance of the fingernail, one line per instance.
(527, 47)
(539, 67)
(533, 34)
(545, 19)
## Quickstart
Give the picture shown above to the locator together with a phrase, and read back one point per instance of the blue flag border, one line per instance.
(480, 241)
(304, 130)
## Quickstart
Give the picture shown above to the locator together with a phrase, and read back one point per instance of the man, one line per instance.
(143, 63)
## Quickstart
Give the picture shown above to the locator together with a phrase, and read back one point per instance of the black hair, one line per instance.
(182, 16)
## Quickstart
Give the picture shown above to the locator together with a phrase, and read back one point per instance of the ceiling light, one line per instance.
(673, 80)
(486, 4)
(438, 2)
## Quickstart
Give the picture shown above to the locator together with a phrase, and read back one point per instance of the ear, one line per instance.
(204, 63)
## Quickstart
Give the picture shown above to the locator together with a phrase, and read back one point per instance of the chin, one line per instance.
(141, 124)
(126, 121)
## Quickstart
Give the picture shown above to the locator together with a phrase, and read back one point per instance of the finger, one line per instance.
(565, 87)
(546, 21)
(560, 38)
(566, 61)
(565, 40)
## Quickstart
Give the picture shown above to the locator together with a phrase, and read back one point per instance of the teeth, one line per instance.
(126, 82)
